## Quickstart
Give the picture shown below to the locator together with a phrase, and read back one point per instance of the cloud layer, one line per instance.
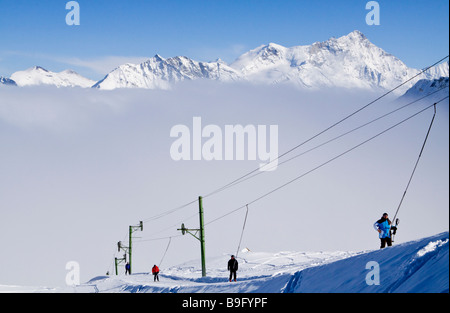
(79, 166)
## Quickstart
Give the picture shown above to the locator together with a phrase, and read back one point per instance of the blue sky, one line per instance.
(117, 31)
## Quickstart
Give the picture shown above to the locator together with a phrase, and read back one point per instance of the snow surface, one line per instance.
(420, 266)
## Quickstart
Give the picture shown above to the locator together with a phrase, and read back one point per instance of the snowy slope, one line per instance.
(419, 266)
(258, 272)
(437, 71)
(413, 267)
(40, 76)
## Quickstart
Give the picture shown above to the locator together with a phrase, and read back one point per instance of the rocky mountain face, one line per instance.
(7, 81)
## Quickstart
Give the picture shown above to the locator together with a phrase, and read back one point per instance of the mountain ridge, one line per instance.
(350, 61)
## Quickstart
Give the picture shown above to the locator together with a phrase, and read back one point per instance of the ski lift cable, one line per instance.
(167, 248)
(171, 226)
(327, 162)
(161, 238)
(323, 164)
(282, 186)
(332, 126)
(326, 142)
(417, 162)
(338, 137)
(155, 217)
(156, 238)
(242, 233)
(297, 146)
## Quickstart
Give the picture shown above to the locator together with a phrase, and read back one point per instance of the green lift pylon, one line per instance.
(201, 236)
(132, 229)
(118, 261)
(126, 249)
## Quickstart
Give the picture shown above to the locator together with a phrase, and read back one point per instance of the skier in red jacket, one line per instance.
(155, 272)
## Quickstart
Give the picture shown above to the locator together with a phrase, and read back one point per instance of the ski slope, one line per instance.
(413, 267)
(420, 266)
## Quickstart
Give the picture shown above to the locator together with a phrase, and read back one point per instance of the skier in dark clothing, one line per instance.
(233, 267)
(383, 227)
(127, 269)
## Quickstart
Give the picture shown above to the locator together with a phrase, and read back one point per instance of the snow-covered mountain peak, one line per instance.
(160, 73)
(38, 75)
(272, 52)
(273, 47)
(350, 61)
(355, 35)
(70, 72)
(261, 58)
(37, 68)
(354, 43)
(158, 58)
(220, 61)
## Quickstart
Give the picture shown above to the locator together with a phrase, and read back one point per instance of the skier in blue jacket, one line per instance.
(383, 227)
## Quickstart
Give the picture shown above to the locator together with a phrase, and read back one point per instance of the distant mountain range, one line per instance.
(351, 61)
